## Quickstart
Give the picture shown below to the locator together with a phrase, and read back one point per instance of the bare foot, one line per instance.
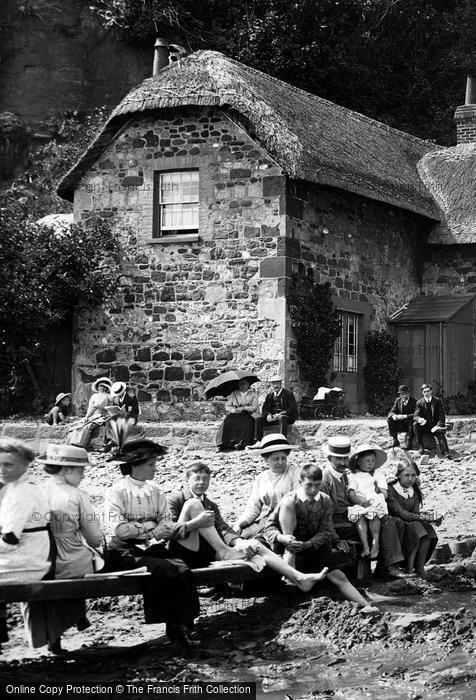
(369, 609)
(307, 581)
(231, 553)
(365, 553)
(374, 551)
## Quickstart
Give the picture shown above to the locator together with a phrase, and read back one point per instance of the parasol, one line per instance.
(227, 382)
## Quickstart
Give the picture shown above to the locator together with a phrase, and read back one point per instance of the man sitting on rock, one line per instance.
(400, 418)
(279, 408)
(430, 421)
(335, 484)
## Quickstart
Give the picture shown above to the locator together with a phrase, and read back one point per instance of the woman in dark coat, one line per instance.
(417, 535)
(138, 514)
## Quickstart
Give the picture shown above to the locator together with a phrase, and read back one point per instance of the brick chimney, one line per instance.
(165, 54)
(465, 115)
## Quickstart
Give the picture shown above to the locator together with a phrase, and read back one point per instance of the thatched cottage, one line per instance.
(221, 182)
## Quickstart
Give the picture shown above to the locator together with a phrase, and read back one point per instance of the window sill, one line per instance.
(185, 238)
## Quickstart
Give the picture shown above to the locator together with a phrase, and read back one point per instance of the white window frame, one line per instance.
(180, 203)
(346, 348)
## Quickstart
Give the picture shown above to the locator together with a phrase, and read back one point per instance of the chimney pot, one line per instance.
(465, 115)
(161, 55)
(470, 90)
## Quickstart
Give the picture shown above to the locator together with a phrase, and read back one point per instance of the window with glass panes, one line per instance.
(177, 202)
(346, 348)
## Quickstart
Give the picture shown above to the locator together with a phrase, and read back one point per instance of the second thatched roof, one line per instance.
(450, 175)
(311, 138)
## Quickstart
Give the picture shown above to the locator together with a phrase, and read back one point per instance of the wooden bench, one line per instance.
(102, 585)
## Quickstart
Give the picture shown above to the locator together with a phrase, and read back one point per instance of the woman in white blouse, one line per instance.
(24, 539)
(238, 428)
(269, 487)
(137, 514)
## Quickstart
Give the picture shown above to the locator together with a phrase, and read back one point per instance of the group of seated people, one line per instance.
(422, 421)
(292, 520)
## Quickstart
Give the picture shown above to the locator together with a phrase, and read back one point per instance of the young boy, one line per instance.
(301, 528)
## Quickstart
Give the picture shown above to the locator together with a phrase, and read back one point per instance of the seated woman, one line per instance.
(24, 541)
(96, 413)
(238, 428)
(60, 411)
(269, 486)
(417, 535)
(75, 528)
(137, 512)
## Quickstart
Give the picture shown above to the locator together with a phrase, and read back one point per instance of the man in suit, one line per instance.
(400, 418)
(429, 413)
(279, 408)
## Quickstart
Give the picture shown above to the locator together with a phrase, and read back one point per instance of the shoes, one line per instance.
(56, 648)
(408, 446)
(394, 572)
(83, 624)
(421, 451)
(256, 446)
(220, 448)
(184, 635)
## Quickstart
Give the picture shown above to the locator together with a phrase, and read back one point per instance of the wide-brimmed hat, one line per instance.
(60, 397)
(101, 380)
(65, 456)
(380, 455)
(403, 389)
(118, 388)
(275, 378)
(275, 442)
(337, 446)
(136, 452)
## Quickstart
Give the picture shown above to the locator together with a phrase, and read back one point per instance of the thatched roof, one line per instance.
(450, 175)
(311, 138)
(431, 309)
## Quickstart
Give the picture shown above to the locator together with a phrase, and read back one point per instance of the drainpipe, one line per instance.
(441, 359)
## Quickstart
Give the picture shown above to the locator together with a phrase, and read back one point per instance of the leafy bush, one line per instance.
(316, 326)
(381, 373)
(45, 275)
(464, 404)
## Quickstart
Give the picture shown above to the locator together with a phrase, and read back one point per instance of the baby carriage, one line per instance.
(330, 403)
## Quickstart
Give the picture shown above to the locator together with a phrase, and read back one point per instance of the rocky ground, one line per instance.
(421, 644)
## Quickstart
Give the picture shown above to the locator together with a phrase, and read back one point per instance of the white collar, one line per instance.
(139, 488)
(334, 472)
(405, 493)
(277, 393)
(302, 496)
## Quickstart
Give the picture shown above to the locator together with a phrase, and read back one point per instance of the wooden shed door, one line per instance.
(411, 356)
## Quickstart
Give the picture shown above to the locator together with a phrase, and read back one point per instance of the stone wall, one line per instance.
(370, 252)
(186, 310)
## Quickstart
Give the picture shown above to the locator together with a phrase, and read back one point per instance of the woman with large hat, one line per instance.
(139, 518)
(268, 487)
(96, 413)
(76, 530)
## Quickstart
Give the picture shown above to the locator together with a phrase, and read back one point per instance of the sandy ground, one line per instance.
(278, 636)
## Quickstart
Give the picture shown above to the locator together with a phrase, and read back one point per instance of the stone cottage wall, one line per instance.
(185, 310)
(370, 252)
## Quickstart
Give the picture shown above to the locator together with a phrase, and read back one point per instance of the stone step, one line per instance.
(194, 435)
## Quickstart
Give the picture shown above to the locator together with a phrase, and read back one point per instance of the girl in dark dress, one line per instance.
(417, 535)
(138, 514)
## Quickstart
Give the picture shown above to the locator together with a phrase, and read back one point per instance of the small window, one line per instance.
(176, 194)
(346, 348)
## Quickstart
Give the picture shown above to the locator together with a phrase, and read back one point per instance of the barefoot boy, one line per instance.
(301, 526)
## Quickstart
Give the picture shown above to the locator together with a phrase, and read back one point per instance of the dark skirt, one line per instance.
(237, 430)
(410, 533)
(169, 593)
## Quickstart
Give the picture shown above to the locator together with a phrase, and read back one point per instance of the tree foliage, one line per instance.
(381, 373)
(402, 62)
(316, 325)
(44, 276)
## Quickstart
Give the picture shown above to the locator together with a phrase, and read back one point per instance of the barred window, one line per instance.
(177, 194)
(346, 348)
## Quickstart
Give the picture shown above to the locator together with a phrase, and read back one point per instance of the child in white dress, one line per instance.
(367, 489)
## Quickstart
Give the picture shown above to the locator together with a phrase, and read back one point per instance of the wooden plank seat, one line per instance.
(101, 585)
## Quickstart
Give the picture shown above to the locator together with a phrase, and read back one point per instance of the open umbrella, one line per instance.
(227, 382)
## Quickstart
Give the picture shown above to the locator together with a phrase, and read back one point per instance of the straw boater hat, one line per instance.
(65, 456)
(275, 442)
(101, 380)
(118, 388)
(275, 378)
(338, 446)
(60, 397)
(380, 455)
